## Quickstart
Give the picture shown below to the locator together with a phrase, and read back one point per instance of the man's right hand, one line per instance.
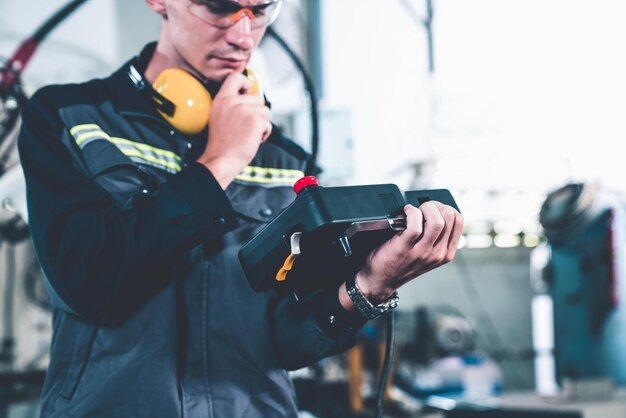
(240, 121)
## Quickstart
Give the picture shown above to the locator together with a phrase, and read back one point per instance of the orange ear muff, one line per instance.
(256, 85)
(191, 101)
(184, 102)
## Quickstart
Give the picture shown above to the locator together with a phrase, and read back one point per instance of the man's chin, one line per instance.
(219, 75)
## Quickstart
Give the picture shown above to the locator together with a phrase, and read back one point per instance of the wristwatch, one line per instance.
(364, 306)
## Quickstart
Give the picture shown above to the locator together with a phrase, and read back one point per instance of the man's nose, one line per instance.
(240, 34)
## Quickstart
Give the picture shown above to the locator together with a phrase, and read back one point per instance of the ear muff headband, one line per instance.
(184, 102)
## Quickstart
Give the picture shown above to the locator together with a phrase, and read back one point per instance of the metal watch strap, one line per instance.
(364, 306)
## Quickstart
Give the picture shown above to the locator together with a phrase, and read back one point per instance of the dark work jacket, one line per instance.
(152, 314)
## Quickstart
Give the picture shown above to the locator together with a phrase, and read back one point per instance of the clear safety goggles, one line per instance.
(225, 13)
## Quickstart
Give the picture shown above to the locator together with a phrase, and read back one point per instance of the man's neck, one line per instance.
(159, 62)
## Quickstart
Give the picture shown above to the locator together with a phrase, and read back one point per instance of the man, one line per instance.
(137, 228)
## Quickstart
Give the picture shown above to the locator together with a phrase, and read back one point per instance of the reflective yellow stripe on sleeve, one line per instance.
(269, 177)
(138, 152)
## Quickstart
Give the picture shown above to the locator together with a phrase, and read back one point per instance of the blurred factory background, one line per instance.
(515, 106)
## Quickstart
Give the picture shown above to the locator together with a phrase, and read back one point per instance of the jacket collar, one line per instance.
(127, 97)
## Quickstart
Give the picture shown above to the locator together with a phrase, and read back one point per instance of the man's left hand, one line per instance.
(430, 240)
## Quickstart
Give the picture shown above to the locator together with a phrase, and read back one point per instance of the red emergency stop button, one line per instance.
(305, 182)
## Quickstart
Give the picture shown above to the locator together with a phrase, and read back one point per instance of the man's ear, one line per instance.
(158, 6)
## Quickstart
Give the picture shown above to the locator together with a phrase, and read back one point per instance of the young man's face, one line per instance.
(212, 38)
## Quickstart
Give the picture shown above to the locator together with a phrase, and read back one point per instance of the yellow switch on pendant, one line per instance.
(294, 243)
(282, 273)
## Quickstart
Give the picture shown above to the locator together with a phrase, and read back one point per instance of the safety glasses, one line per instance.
(225, 13)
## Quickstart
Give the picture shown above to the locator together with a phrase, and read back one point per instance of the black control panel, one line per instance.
(325, 235)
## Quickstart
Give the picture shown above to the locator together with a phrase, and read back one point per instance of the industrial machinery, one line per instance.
(584, 277)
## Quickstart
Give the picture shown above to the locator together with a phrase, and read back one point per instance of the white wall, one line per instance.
(526, 94)
(374, 64)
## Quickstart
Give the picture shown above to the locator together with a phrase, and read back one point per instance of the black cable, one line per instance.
(13, 68)
(57, 18)
(308, 84)
(386, 370)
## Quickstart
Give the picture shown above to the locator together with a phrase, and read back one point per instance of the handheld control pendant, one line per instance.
(325, 235)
